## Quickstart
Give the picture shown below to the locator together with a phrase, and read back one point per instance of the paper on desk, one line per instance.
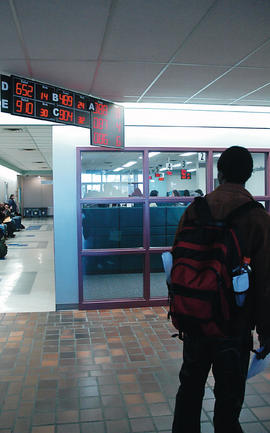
(258, 365)
(167, 264)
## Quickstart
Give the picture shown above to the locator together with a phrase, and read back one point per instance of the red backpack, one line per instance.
(201, 296)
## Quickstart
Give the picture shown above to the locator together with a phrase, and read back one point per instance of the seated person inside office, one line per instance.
(10, 219)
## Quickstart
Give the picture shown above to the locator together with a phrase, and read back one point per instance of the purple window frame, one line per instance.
(146, 250)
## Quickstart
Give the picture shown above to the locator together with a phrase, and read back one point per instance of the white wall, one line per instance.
(10, 177)
(36, 193)
(65, 141)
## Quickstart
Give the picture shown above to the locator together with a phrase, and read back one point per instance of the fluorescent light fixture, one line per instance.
(217, 155)
(129, 164)
(140, 157)
(179, 164)
(163, 169)
(119, 169)
(192, 169)
(153, 154)
(187, 153)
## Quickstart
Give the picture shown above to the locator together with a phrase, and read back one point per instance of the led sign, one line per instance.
(29, 98)
(185, 174)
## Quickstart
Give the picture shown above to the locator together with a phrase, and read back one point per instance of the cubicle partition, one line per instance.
(129, 206)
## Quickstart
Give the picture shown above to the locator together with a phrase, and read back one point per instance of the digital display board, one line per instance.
(107, 125)
(23, 97)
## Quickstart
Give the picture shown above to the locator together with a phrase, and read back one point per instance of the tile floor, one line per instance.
(27, 272)
(113, 371)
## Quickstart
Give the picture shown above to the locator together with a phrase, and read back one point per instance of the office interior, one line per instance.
(193, 80)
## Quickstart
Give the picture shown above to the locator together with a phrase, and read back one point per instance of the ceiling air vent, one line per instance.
(28, 150)
(13, 129)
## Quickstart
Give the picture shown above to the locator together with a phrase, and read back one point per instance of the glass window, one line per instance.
(177, 173)
(113, 276)
(164, 220)
(256, 183)
(112, 225)
(158, 286)
(117, 174)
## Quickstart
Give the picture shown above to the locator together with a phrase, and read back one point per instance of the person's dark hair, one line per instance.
(235, 164)
(186, 193)
(199, 191)
(176, 193)
(11, 196)
(154, 193)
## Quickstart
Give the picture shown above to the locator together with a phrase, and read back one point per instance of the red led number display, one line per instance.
(24, 107)
(100, 123)
(100, 138)
(66, 100)
(65, 115)
(24, 90)
(101, 109)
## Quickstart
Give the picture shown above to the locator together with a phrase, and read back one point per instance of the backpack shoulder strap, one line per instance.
(241, 210)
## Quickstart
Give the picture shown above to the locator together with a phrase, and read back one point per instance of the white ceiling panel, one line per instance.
(232, 30)
(211, 101)
(13, 67)
(260, 95)
(55, 29)
(183, 80)
(237, 83)
(164, 100)
(72, 75)
(152, 29)
(121, 79)
(261, 59)
(252, 102)
(10, 47)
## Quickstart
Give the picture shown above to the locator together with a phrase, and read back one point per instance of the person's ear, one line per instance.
(221, 177)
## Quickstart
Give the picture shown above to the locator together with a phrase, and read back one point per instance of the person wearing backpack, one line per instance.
(219, 292)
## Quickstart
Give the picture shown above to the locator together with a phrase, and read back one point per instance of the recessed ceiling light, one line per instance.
(187, 153)
(153, 154)
(129, 164)
(119, 169)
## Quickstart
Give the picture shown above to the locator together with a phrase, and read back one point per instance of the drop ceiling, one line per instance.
(195, 52)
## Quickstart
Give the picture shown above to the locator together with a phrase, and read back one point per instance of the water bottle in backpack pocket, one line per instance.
(241, 282)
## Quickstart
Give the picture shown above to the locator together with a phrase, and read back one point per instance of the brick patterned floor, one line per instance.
(113, 371)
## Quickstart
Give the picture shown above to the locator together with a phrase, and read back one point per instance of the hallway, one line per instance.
(27, 272)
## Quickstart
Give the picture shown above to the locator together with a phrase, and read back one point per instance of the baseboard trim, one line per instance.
(67, 307)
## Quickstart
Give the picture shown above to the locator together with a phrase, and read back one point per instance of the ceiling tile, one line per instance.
(231, 31)
(259, 59)
(10, 46)
(13, 67)
(119, 79)
(184, 81)
(73, 75)
(152, 29)
(237, 83)
(55, 29)
(246, 102)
